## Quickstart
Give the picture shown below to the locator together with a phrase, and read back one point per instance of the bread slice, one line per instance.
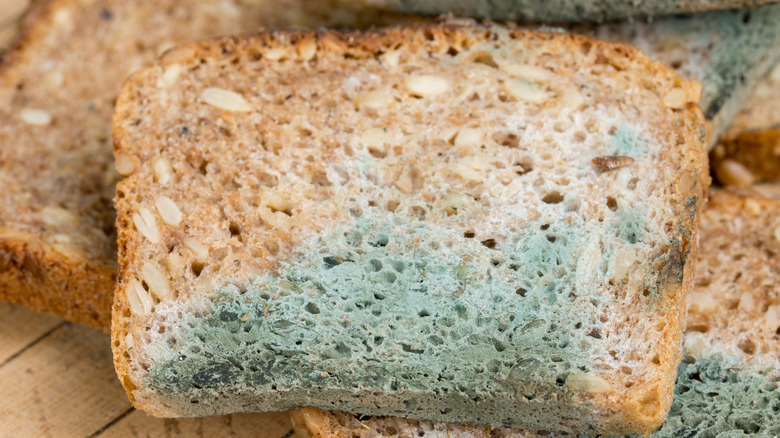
(57, 88)
(729, 52)
(750, 151)
(467, 223)
(728, 382)
(546, 11)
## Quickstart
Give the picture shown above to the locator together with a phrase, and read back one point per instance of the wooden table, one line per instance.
(57, 380)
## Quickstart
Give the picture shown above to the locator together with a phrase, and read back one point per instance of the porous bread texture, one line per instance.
(387, 221)
(735, 305)
(750, 150)
(729, 52)
(546, 11)
(57, 88)
(728, 382)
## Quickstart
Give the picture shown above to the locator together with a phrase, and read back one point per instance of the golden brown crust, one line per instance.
(640, 409)
(32, 269)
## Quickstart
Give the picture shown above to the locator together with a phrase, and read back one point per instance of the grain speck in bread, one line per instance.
(57, 88)
(402, 225)
(728, 383)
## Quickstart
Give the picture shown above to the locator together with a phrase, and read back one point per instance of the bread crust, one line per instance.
(639, 410)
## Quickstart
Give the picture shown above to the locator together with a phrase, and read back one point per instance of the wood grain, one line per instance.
(20, 327)
(64, 385)
(138, 425)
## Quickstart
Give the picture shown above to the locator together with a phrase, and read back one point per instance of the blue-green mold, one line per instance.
(723, 397)
(371, 310)
(625, 142)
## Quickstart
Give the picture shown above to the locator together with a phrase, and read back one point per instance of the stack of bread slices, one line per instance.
(400, 225)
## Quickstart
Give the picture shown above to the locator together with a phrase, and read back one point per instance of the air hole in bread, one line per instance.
(392, 205)
(271, 246)
(234, 231)
(484, 58)
(417, 211)
(507, 139)
(552, 198)
(377, 151)
(747, 346)
(612, 203)
(489, 243)
(197, 268)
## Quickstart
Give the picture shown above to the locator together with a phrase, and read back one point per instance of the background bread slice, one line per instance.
(728, 383)
(265, 173)
(727, 51)
(57, 88)
(546, 11)
(750, 151)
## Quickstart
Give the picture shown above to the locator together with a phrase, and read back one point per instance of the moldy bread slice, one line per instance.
(466, 223)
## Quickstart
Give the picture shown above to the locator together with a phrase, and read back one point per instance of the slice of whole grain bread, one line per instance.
(728, 382)
(467, 223)
(57, 88)
(546, 11)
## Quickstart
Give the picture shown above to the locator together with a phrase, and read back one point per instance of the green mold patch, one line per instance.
(373, 310)
(631, 225)
(625, 142)
(720, 397)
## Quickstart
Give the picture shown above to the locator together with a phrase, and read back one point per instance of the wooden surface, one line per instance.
(57, 380)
